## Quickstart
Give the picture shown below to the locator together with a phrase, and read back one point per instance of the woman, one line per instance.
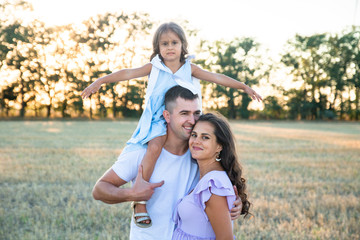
(204, 213)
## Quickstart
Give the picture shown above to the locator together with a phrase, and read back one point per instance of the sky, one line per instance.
(270, 22)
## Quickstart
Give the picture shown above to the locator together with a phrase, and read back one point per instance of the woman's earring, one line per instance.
(218, 159)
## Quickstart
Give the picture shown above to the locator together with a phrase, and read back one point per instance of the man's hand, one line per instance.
(143, 190)
(236, 210)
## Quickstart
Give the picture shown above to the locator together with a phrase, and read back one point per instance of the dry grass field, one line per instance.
(303, 179)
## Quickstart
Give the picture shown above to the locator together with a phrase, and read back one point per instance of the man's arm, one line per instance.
(107, 188)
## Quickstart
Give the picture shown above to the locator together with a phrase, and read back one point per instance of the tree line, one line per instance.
(44, 69)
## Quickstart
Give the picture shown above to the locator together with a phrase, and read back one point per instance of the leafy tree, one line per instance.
(306, 59)
(298, 107)
(273, 108)
(7, 95)
(19, 53)
(351, 43)
(19, 59)
(113, 36)
(238, 59)
(325, 63)
(65, 66)
(343, 69)
(10, 31)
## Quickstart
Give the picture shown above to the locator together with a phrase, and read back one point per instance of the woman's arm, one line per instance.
(219, 216)
(121, 75)
(223, 80)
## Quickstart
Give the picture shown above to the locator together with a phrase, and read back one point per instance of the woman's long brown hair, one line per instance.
(229, 160)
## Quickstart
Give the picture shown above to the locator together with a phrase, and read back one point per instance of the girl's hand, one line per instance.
(254, 95)
(93, 88)
(142, 189)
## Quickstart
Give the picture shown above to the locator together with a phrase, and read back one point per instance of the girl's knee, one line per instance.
(154, 147)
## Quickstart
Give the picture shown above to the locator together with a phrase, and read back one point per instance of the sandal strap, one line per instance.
(144, 217)
(141, 215)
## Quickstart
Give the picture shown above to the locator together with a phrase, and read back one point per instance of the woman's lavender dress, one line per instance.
(190, 217)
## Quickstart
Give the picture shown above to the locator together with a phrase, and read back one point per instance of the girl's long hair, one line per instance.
(175, 28)
(229, 160)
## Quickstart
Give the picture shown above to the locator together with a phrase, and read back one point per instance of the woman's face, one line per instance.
(203, 143)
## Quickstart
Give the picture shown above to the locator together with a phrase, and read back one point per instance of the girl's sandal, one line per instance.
(142, 216)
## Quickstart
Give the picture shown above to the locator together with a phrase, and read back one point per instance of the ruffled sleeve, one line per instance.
(215, 182)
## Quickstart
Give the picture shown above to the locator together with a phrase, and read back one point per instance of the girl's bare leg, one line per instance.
(152, 154)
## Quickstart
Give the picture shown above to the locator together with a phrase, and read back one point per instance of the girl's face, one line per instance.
(170, 46)
(203, 143)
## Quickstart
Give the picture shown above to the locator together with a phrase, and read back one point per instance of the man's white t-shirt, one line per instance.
(180, 174)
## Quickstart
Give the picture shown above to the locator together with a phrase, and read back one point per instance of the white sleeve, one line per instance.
(127, 164)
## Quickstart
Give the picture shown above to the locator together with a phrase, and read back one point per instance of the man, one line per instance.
(175, 173)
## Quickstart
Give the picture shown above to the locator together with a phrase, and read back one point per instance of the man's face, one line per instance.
(183, 116)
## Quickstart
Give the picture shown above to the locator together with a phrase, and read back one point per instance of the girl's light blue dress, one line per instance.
(152, 123)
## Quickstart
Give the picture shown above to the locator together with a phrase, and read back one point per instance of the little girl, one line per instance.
(168, 67)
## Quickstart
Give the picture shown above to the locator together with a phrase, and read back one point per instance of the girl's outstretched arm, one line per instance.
(121, 75)
(223, 80)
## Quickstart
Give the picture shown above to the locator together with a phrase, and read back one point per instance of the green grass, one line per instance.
(303, 179)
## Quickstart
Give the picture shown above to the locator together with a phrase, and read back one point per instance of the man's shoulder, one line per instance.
(127, 164)
(132, 152)
(166, 153)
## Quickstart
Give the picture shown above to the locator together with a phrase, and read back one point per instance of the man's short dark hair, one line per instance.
(175, 92)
